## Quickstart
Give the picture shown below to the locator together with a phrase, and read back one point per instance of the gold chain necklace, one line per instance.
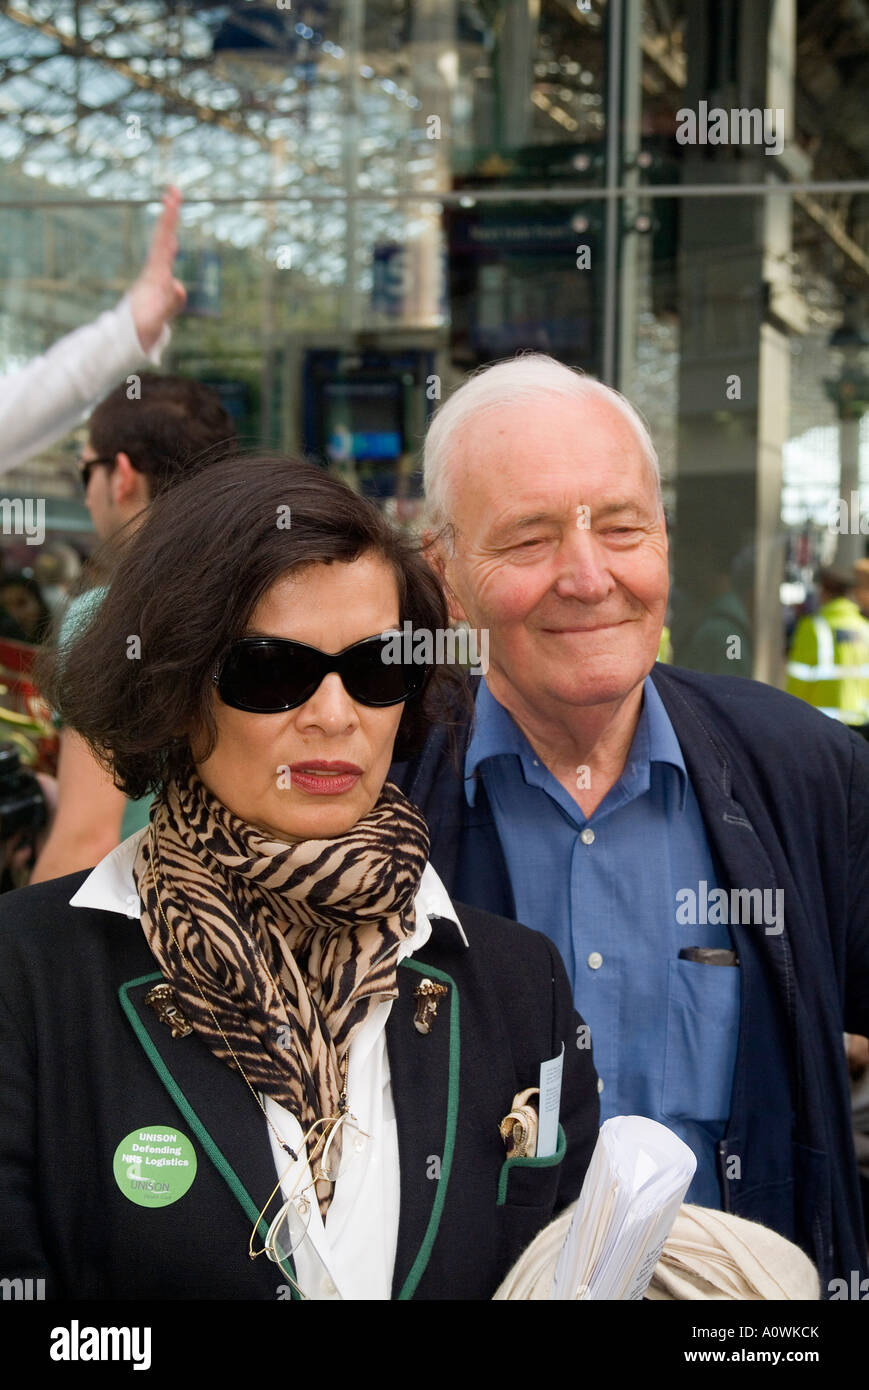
(342, 1103)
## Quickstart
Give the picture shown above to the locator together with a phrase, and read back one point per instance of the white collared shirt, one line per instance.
(353, 1255)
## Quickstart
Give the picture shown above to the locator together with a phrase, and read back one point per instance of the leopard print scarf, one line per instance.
(291, 945)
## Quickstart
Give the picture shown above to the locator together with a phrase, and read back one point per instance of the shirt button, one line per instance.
(133, 905)
(595, 960)
(328, 1288)
(599, 1085)
(587, 835)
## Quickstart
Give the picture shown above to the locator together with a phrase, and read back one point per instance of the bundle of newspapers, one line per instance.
(636, 1181)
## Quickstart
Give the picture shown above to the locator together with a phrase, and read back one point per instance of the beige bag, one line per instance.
(708, 1254)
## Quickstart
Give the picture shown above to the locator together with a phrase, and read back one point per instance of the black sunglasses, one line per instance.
(267, 675)
(87, 466)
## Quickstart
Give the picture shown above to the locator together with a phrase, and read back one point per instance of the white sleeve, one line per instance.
(48, 397)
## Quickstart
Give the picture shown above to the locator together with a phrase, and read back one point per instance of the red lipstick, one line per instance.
(322, 778)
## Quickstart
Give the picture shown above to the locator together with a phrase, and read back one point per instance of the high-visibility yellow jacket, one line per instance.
(828, 663)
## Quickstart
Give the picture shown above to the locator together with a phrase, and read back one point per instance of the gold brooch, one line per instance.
(162, 1000)
(519, 1128)
(427, 995)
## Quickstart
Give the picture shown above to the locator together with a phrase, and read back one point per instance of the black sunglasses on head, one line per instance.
(267, 675)
(87, 466)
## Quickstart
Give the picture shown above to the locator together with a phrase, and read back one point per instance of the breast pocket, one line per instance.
(702, 1032)
(531, 1182)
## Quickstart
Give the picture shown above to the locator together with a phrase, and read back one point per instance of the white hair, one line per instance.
(530, 377)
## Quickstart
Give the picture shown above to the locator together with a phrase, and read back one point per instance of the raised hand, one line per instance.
(156, 296)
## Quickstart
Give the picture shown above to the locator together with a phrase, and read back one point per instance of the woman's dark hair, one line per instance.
(183, 589)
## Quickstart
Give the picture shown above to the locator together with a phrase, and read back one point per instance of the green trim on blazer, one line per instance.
(229, 1174)
(225, 1169)
(509, 1163)
(418, 1267)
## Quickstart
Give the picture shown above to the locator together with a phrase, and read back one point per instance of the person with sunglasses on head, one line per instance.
(286, 1063)
(137, 448)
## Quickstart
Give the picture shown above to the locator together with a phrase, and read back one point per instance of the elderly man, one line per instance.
(696, 846)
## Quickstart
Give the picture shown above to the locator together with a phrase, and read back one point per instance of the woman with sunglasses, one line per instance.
(281, 1060)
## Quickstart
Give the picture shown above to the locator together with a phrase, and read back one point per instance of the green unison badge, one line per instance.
(154, 1166)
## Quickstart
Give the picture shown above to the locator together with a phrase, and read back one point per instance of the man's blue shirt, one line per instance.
(604, 890)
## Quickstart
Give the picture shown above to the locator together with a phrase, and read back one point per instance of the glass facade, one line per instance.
(382, 195)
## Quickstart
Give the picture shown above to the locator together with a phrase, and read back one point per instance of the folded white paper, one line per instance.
(636, 1181)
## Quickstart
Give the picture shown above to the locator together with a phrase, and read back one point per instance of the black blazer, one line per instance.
(84, 1062)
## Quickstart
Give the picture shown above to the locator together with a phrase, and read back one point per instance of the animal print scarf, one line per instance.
(291, 945)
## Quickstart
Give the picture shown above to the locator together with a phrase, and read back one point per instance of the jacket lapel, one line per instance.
(221, 1114)
(466, 850)
(732, 836)
(215, 1102)
(424, 1069)
(481, 875)
(764, 956)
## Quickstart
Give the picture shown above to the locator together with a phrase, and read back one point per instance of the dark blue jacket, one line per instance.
(784, 794)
